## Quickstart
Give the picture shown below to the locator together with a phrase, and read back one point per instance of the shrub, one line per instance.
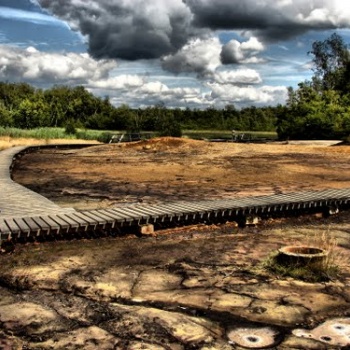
(70, 128)
(105, 137)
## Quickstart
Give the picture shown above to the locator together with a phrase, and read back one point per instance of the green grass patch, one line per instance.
(312, 272)
(102, 135)
(227, 134)
(52, 133)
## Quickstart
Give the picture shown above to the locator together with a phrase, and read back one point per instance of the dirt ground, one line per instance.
(168, 169)
(201, 287)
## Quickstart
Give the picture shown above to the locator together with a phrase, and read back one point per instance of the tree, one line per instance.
(167, 125)
(32, 113)
(331, 60)
(5, 116)
(320, 109)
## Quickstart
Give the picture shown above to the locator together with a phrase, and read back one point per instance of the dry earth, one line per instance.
(196, 288)
(168, 169)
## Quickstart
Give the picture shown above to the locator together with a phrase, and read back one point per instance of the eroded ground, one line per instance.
(190, 289)
(179, 169)
(196, 288)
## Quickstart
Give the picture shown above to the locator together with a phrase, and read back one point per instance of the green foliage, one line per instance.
(320, 109)
(167, 125)
(105, 137)
(6, 118)
(312, 272)
(70, 127)
(50, 133)
(331, 60)
(23, 106)
(39, 133)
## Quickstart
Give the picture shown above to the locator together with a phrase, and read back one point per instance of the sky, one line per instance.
(180, 53)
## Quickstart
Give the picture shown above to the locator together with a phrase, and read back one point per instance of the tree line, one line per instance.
(320, 108)
(24, 106)
(317, 109)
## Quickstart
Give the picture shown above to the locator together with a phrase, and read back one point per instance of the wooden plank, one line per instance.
(64, 225)
(51, 223)
(125, 216)
(13, 226)
(107, 217)
(25, 229)
(4, 229)
(168, 210)
(94, 217)
(34, 227)
(153, 210)
(44, 226)
(82, 223)
(175, 209)
(116, 217)
(144, 212)
(72, 223)
(135, 215)
(197, 207)
(88, 220)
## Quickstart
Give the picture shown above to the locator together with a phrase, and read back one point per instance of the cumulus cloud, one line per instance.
(163, 92)
(270, 19)
(247, 95)
(199, 56)
(120, 82)
(137, 29)
(237, 77)
(34, 66)
(127, 29)
(152, 93)
(237, 52)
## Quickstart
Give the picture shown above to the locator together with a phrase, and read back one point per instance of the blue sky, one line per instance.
(195, 54)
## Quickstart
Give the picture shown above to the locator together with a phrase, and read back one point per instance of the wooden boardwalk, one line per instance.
(16, 200)
(25, 213)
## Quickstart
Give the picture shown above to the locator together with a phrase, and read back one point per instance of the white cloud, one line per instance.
(199, 56)
(35, 66)
(120, 82)
(253, 44)
(151, 93)
(238, 76)
(248, 95)
(162, 91)
(245, 52)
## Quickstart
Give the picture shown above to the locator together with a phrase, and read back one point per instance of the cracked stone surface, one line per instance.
(172, 291)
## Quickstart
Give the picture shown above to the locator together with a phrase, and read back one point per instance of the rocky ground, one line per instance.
(201, 287)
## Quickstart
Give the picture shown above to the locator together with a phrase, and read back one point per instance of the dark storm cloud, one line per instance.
(137, 29)
(270, 20)
(127, 29)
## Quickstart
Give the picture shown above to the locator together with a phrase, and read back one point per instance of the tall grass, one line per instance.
(319, 271)
(50, 133)
(227, 134)
(87, 134)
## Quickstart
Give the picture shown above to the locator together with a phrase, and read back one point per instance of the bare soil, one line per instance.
(200, 287)
(169, 169)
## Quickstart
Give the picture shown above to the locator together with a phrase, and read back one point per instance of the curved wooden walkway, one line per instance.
(16, 200)
(25, 213)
